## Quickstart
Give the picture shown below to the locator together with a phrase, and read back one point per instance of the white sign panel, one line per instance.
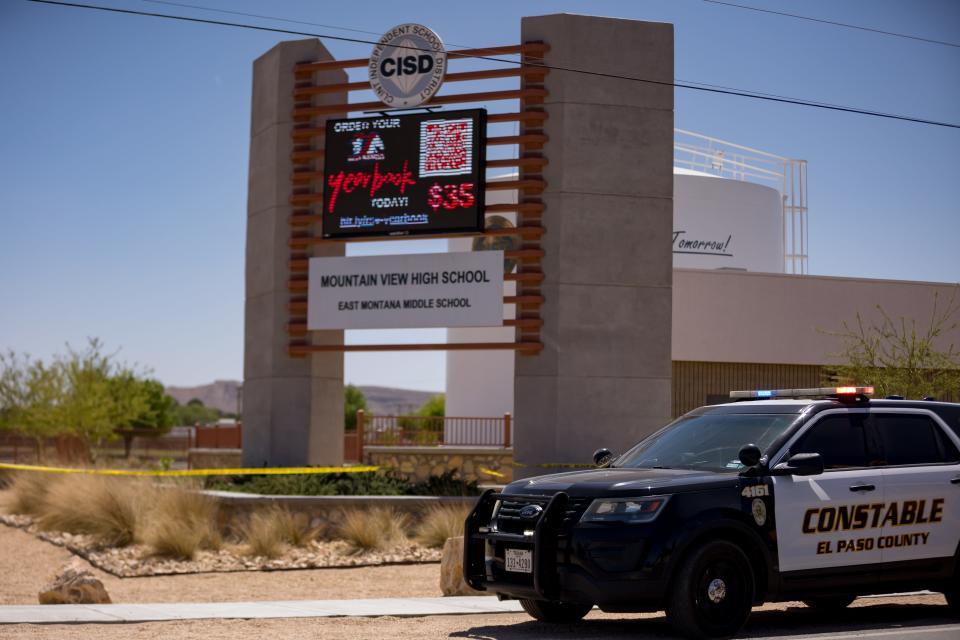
(406, 291)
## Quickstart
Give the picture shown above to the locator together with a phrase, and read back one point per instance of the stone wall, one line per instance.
(419, 463)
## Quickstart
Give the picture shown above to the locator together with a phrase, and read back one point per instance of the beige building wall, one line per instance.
(736, 316)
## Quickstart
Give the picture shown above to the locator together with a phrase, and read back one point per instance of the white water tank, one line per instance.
(721, 223)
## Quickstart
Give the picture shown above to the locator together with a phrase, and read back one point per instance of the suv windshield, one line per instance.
(708, 442)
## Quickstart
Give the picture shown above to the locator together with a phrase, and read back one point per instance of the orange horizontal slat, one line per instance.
(306, 349)
(305, 113)
(532, 49)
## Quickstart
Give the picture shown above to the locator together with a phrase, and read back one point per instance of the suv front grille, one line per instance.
(509, 520)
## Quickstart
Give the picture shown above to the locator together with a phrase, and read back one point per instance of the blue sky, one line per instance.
(123, 153)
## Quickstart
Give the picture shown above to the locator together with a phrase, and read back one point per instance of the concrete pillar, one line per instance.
(604, 376)
(293, 407)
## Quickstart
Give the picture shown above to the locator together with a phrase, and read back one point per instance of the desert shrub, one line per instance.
(446, 484)
(109, 509)
(377, 528)
(347, 484)
(262, 535)
(294, 528)
(332, 484)
(441, 523)
(27, 493)
(268, 531)
(181, 523)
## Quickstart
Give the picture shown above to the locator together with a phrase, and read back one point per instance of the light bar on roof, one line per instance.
(801, 393)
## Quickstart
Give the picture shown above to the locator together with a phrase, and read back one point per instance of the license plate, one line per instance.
(519, 560)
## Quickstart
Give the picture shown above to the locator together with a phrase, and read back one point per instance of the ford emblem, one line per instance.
(531, 511)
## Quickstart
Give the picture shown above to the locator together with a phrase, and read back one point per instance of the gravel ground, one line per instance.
(26, 564)
(135, 560)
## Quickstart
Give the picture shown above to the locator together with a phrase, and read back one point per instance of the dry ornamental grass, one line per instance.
(175, 521)
(269, 531)
(441, 523)
(294, 528)
(27, 494)
(181, 523)
(375, 528)
(110, 511)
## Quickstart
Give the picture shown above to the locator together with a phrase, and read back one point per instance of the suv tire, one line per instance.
(953, 602)
(712, 593)
(558, 612)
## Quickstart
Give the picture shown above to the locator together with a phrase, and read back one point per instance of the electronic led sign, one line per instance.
(414, 174)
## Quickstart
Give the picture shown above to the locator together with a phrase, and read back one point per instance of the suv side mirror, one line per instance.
(800, 464)
(602, 457)
(750, 455)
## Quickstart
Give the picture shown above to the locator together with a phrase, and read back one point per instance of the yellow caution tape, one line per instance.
(272, 471)
(491, 472)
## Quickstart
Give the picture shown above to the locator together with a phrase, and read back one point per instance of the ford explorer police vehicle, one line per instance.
(821, 497)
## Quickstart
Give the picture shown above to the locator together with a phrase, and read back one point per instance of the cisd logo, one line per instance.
(407, 65)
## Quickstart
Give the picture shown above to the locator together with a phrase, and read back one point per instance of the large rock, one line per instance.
(451, 570)
(74, 584)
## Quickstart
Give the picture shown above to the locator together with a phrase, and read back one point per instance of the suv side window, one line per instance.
(913, 439)
(839, 439)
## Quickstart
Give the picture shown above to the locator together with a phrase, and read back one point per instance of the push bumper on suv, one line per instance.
(568, 561)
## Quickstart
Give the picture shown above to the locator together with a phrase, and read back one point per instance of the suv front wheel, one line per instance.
(561, 612)
(712, 593)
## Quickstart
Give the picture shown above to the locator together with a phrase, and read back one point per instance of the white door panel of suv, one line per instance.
(826, 520)
(921, 468)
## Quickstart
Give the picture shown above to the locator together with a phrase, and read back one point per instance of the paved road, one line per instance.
(884, 622)
(921, 618)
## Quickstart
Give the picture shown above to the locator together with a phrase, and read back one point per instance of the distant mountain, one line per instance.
(222, 395)
(390, 401)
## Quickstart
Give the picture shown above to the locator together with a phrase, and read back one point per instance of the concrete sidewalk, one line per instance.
(100, 613)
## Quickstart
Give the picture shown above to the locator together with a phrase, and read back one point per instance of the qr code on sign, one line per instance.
(446, 147)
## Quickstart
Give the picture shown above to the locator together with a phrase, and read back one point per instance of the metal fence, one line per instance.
(18, 448)
(218, 437)
(425, 431)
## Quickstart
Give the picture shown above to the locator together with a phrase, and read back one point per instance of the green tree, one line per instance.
(434, 407)
(160, 412)
(897, 357)
(425, 427)
(13, 389)
(101, 395)
(31, 395)
(353, 401)
(195, 412)
(158, 415)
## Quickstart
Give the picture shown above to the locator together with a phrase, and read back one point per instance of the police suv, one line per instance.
(818, 495)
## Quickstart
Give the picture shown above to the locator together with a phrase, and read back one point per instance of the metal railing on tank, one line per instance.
(697, 152)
